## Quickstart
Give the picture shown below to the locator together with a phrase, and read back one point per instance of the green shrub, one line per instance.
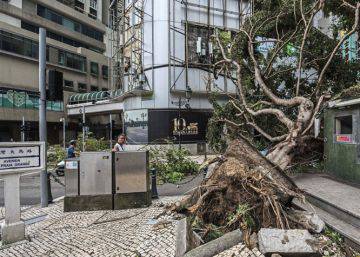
(171, 163)
(55, 155)
(92, 144)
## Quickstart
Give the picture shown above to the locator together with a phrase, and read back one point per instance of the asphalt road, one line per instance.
(30, 190)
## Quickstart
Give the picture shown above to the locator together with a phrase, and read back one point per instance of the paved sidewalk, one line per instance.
(340, 194)
(145, 232)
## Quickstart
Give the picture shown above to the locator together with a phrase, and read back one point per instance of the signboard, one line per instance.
(136, 126)
(166, 124)
(21, 157)
(180, 127)
(71, 165)
(343, 138)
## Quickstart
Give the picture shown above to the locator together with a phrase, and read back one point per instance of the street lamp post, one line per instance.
(182, 102)
(64, 128)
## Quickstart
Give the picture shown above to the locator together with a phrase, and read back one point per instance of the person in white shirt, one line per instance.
(120, 145)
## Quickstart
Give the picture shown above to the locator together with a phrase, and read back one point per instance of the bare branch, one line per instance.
(279, 114)
(258, 77)
(266, 135)
(316, 110)
(305, 35)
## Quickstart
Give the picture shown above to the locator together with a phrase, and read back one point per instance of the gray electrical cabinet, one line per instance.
(107, 181)
(132, 179)
(93, 190)
(72, 177)
(95, 173)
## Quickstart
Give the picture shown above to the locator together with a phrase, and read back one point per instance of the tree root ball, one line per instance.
(245, 191)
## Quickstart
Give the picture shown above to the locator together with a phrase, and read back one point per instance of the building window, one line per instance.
(69, 84)
(57, 37)
(71, 60)
(92, 14)
(105, 71)
(69, 23)
(94, 88)
(18, 45)
(93, 4)
(82, 87)
(94, 69)
(344, 125)
(79, 5)
(199, 44)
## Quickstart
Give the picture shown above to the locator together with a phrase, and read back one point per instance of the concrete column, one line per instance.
(13, 229)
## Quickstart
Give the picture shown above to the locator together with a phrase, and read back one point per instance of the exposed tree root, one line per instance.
(245, 191)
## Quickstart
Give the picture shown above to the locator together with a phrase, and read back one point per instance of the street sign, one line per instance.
(16, 159)
(21, 157)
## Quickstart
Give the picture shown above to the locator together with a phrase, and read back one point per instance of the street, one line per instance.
(30, 190)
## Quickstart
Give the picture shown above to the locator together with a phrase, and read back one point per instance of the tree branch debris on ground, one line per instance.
(246, 191)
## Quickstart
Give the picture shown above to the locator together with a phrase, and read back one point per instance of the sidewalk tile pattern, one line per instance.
(123, 233)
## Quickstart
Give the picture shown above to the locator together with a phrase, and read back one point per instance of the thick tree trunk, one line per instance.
(282, 154)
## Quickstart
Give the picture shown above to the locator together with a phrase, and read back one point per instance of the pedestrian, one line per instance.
(71, 149)
(120, 145)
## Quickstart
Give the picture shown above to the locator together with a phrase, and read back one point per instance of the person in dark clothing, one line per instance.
(71, 149)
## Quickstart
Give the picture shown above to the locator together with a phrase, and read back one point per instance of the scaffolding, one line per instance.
(127, 45)
(127, 41)
(186, 63)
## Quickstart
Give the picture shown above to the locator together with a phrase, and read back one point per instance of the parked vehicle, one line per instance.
(60, 167)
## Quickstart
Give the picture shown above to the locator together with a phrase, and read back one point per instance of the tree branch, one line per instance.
(308, 26)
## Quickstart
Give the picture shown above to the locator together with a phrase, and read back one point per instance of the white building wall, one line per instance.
(162, 97)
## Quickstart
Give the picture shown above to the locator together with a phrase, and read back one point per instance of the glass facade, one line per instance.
(23, 46)
(58, 37)
(71, 60)
(17, 99)
(18, 45)
(69, 23)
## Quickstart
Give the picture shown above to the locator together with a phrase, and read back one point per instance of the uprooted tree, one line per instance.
(281, 91)
(279, 95)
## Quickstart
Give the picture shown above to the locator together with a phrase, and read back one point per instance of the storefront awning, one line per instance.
(88, 97)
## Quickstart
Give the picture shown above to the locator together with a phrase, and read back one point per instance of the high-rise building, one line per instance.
(76, 60)
(162, 54)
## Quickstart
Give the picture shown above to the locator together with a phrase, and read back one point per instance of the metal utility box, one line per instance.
(342, 140)
(72, 177)
(95, 173)
(94, 189)
(132, 179)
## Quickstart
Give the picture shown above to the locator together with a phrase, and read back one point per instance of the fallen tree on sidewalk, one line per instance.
(279, 97)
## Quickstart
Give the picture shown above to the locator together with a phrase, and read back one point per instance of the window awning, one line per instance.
(88, 97)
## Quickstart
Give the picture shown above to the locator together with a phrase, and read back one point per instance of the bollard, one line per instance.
(50, 198)
(154, 193)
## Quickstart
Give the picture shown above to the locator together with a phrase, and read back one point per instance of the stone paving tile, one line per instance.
(240, 250)
(123, 233)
